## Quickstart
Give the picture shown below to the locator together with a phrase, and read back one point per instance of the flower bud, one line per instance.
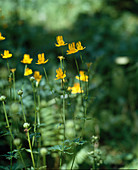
(2, 98)
(43, 151)
(26, 125)
(17, 141)
(20, 92)
(32, 78)
(14, 107)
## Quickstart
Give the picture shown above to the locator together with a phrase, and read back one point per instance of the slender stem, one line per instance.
(32, 156)
(21, 157)
(14, 86)
(38, 115)
(81, 57)
(35, 114)
(44, 161)
(81, 93)
(7, 121)
(74, 156)
(23, 109)
(45, 74)
(11, 151)
(64, 116)
(8, 66)
(60, 163)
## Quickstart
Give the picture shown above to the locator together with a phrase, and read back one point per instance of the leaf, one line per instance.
(28, 150)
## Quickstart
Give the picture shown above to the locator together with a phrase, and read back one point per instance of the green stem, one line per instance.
(81, 57)
(7, 121)
(11, 151)
(73, 160)
(14, 86)
(64, 116)
(8, 66)
(44, 161)
(45, 74)
(60, 163)
(21, 157)
(32, 156)
(23, 109)
(35, 114)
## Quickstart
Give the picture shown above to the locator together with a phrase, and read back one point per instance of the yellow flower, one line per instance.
(61, 57)
(75, 89)
(72, 48)
(37, 76)
(60, 41)
(27, 59)
(79, 46)
(60, 74)
(13, 70)
(28, 72)
(41, 59)
(6, 54)
(1, 37)
(82, 76)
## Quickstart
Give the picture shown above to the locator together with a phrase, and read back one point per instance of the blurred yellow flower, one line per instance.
(60, 74)
(79, 46)
(37, 76)
(41, 59)
(1, 37)
(75, 89)
(72, 48)
(27, 59)
(61, 57)
(13, 70)
(6, 54)
(82, 76)
(28, 72)
(60, 41)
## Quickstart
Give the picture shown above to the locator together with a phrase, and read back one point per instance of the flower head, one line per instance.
(37, 76)
(41, 59)
(2, 98)
(60, 74)
(6, 54)
(17, 141)
(43, 151)
(27, 59)
(75, 89)
(60, 41)
(82, 76)
(26, 125)
(79, 46)
(72, 48)
(20, 92)
(28, 72)
(13, 70)
(1, 37)
(61, 57)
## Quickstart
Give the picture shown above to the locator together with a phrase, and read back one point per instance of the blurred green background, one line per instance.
(109, 31)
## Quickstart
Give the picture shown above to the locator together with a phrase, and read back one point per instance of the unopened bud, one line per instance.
(32, 78)
(26, 125)
(17, 141)
(20, 92)
(2, 98)
(43, 151)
